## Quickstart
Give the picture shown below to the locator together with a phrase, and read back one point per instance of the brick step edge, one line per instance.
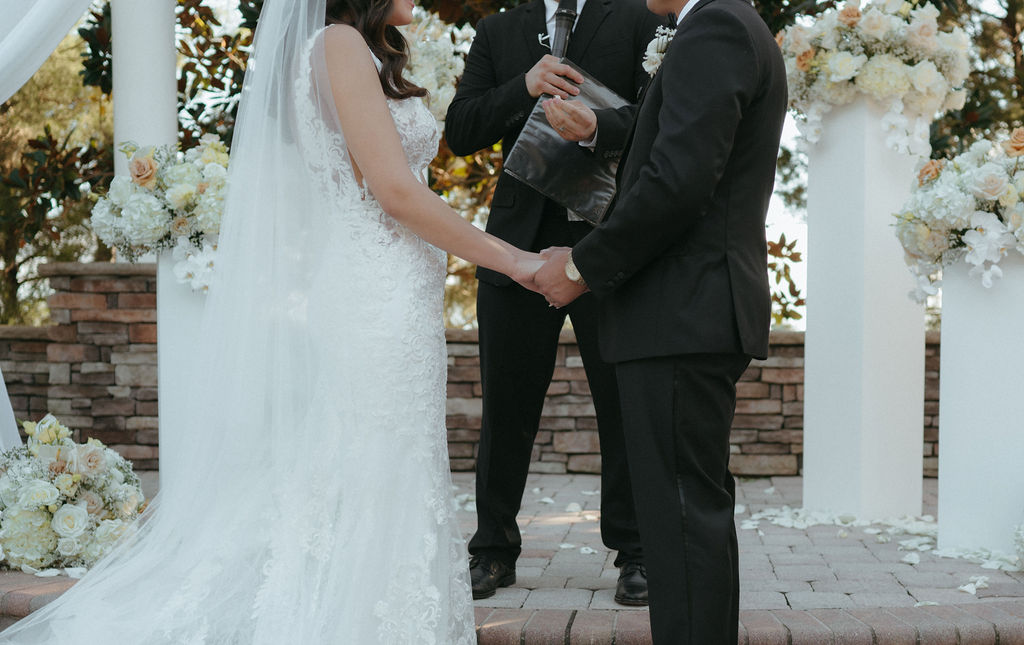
(997, 622)
(989, 623)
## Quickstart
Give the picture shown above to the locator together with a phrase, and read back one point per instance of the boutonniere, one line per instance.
(656, 49)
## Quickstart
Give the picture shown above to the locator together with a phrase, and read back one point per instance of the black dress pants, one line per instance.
(518, 341)
(677, 412)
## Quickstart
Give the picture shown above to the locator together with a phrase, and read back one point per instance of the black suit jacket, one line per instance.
(492, 103)
(680, 265)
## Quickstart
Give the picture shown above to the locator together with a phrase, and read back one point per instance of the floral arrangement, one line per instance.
(170, 200)
(63, 504)
(893, 52)
(437, 57)
(656, 49)
(966, 208)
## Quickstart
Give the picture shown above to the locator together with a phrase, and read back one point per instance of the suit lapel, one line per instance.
(534, 25)
(594, 13)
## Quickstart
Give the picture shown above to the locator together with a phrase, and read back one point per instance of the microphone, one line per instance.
(565, 18)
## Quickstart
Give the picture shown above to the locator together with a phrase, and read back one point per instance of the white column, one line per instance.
(981, 429)
(145, 74)
(864, 363)
(146, 112)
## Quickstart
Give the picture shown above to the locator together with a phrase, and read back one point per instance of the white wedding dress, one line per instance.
(320, 509)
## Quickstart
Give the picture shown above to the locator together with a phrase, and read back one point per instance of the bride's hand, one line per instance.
(526, 266)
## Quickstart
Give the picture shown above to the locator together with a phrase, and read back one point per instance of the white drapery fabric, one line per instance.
(8, 426)
(29, 32)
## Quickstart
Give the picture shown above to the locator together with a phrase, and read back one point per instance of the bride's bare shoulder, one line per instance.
(344, 41)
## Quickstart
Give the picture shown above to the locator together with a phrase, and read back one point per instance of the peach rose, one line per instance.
(143, 171)
(849, 16)
(780, 37)
(180, 226)
(93, 502)
(1015, 146)
(929, 171)
(803, 61)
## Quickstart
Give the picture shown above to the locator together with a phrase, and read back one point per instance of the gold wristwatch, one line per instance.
(572, 272)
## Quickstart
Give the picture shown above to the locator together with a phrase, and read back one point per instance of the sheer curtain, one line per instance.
(29, 32)
(8, 427)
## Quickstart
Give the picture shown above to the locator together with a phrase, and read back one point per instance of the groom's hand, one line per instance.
(552, 280)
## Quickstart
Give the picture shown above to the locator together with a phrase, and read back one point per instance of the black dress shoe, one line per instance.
(631, 589)
(488, 573)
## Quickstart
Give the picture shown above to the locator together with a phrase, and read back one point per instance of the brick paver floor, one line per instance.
(813, 586)
(564, 565)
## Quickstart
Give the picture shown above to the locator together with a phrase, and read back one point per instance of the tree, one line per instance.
(55, 141)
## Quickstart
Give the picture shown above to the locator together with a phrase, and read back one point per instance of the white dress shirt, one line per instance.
(550, 6)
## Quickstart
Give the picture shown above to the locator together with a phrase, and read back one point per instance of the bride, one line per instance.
(315, 505)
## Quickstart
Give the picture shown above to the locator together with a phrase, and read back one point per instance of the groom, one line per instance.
(679, 269)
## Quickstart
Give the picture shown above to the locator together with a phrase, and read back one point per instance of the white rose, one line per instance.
(121, 188)
(89, 461)
(989, 182)
(842, 66)
(798, 40)
(70, 521)
(927, 79)
(38, 493)
(66, 484)
(213, 171)
(179, 195)
(892, 6)
(874, 24)
(923, 34)
(923, 104)
(827, 27)
(68, 547)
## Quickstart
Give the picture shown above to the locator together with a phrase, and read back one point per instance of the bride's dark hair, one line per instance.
(384, 40)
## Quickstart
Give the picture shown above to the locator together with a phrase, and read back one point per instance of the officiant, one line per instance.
(509, 66)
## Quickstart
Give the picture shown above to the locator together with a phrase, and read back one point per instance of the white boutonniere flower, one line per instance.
(656, 49)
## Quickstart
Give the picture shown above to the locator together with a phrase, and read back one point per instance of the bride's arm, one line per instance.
(376, 149)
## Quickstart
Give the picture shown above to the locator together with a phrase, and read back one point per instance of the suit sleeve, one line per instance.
(484, 110)
(613, 125)
(708, 77)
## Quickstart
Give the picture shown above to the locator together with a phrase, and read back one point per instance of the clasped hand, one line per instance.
(545, 274)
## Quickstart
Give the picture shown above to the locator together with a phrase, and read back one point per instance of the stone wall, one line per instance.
(767, 435)
(96, 369)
